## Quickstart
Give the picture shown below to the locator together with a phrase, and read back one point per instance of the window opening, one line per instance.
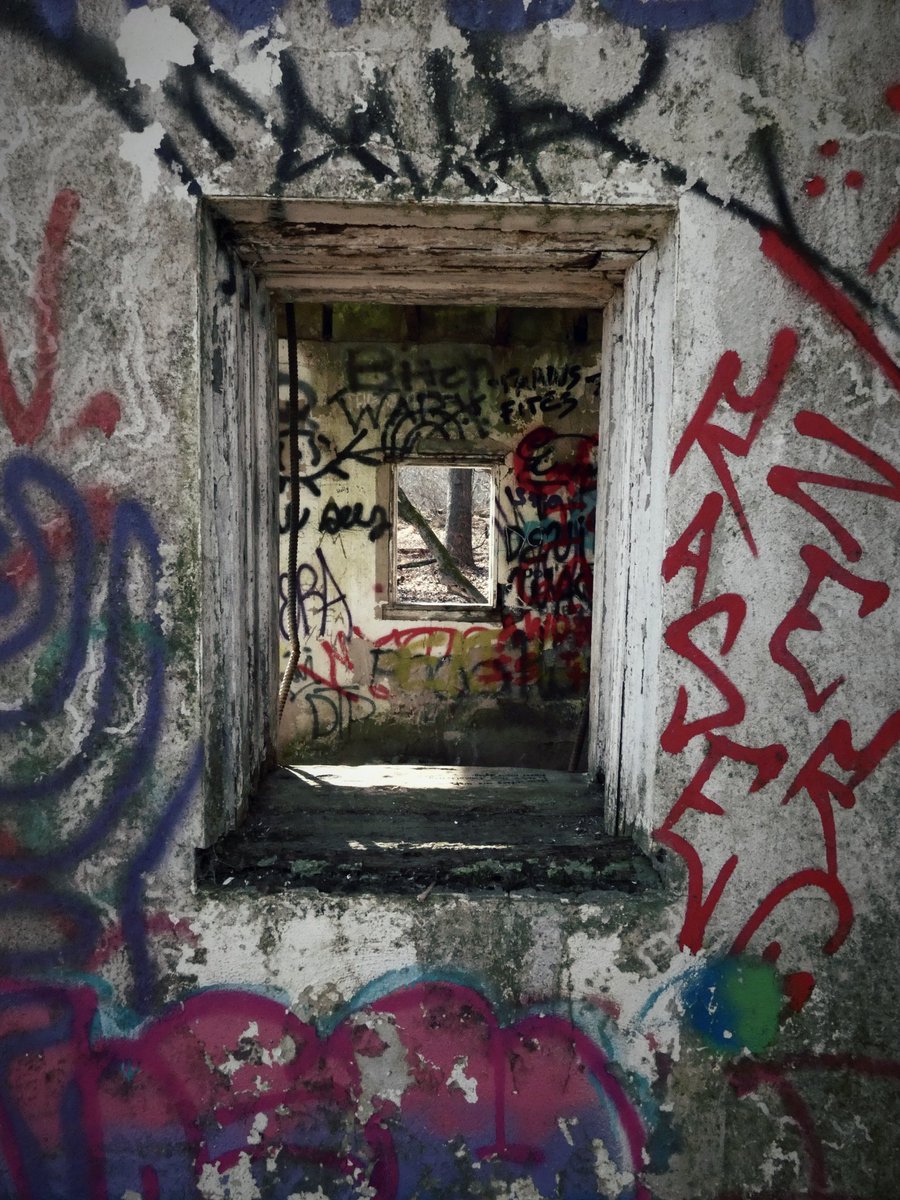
(420, 380)
(443, 541)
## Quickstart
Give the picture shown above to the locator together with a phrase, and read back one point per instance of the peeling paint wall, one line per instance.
(730, 1035)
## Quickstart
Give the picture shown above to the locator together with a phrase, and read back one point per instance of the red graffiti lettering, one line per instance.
(679, 732)
(823, 788)
(26, 422)
(811, 877)
(713, 439)
(681, 553)
(821, 566)
(787, 481)
(701, 902)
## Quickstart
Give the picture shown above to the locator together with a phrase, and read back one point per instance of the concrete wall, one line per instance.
(730, 1034)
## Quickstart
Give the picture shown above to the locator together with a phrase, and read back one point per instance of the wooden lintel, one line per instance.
(567, 256)
(525, 289)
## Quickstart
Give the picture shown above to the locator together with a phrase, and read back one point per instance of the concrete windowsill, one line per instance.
(408, 830)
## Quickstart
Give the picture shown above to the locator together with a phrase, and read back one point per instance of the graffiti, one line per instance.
(692, 551)
(860, 1081)
(330, 708)
(544, 391)
(713, 439)
(409, 399)
(132, 540)
(284, 524)
(799, 16)
(342, 518)
(50, 568)
(811, 280)
(529, 655)
(228, 1091)
(549, 530)
(382, 373)
(786, 481)
(494, 16)
(872, 593)
(735, 1004)
(679, 732)
(27, 422)
(133, 649)
(681, 556)
(231, 1084)
(60, 15)
(318, 592)
(339, 463)
(399, 397)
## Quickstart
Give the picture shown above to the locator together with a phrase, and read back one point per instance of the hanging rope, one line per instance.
(294, 514)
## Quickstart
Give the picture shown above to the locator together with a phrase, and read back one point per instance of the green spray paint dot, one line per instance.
(734, 1004)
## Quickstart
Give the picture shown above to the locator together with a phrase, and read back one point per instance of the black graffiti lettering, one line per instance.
(318, 594)
(284, 525)
(518, 128)
(332, 710)
(368, 457)
(342, 518)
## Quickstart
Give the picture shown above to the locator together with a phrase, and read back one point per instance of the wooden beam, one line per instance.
(525, 289)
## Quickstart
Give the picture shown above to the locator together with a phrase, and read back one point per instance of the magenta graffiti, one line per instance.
(227, 1077)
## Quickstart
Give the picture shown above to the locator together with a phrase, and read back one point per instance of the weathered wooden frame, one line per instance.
(621, 257)
(386, 555)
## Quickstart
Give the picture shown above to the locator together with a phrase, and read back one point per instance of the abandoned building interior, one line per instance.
(434, 705)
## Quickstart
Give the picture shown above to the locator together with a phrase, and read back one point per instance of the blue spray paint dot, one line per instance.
(247, 14)
(734, 1003)
(343, 12)
(58, 15)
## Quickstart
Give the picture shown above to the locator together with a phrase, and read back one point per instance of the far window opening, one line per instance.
(444, 537)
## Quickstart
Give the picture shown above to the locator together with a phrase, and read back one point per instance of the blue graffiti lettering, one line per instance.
(504, 16)
(799, 16)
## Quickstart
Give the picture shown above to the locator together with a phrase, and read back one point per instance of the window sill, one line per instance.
(432, 613)
(411, 830)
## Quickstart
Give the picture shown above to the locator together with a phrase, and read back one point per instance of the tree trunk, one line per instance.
(458, 530)
(450, 573)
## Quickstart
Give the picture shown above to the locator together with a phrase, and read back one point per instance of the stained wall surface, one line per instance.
(729, 1034)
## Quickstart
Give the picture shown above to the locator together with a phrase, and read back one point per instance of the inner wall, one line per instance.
(511, 390)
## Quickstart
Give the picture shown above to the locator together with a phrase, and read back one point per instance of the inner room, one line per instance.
(446, 483)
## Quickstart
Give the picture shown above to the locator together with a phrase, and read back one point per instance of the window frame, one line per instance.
(256, 251)
(386, 484)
